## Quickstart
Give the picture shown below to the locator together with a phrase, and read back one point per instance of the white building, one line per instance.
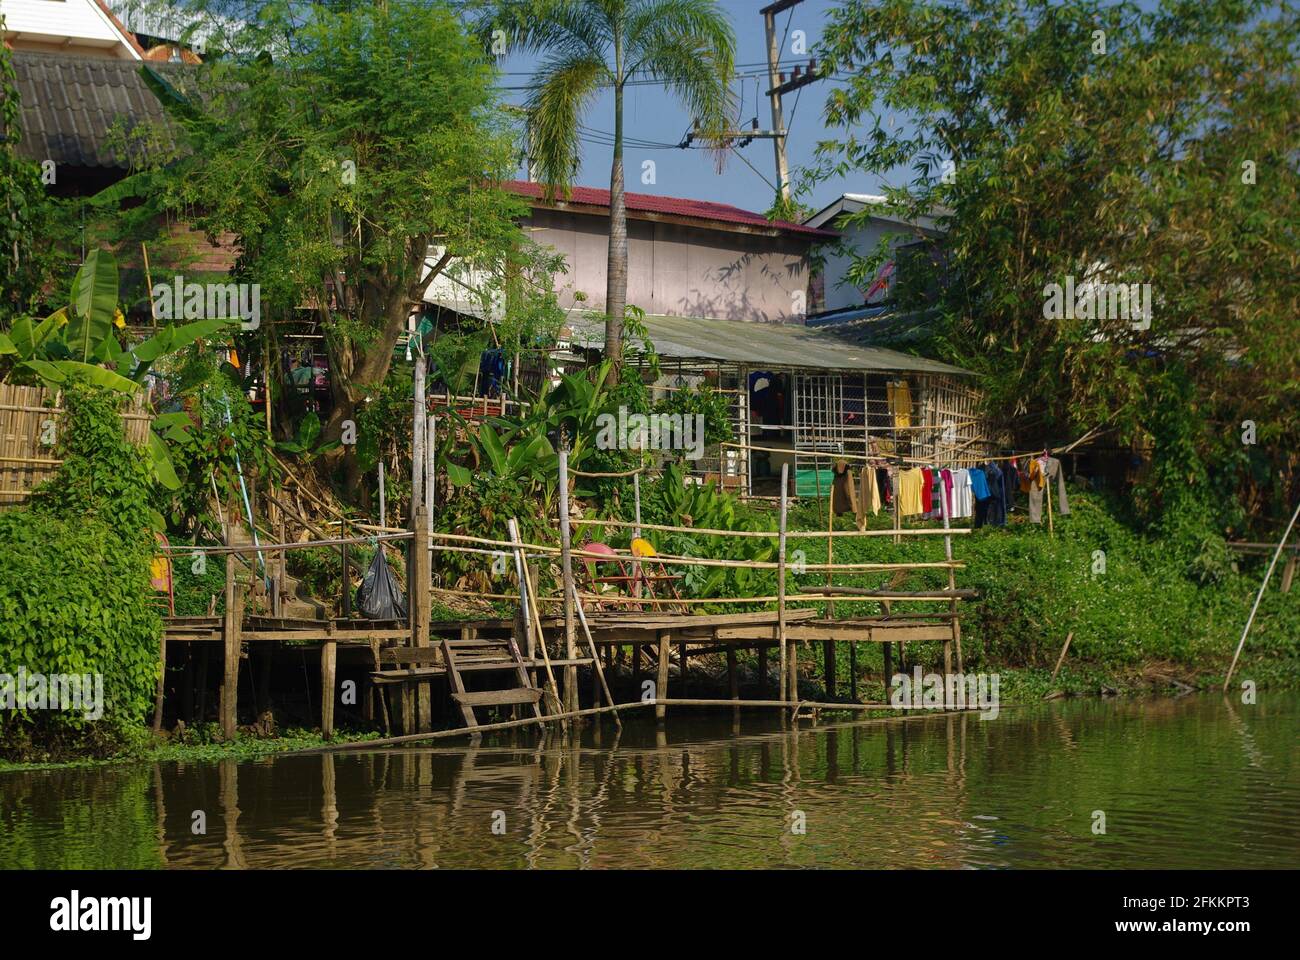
(84, 28)
(861, 239)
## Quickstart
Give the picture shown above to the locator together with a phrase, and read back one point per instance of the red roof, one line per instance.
(676, 206)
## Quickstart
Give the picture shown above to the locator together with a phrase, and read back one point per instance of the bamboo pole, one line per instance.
(527, 587)
(566, 561)
(772, 534)
(1061, 658)
(780, 578)
(1260, 596)
(595, 657)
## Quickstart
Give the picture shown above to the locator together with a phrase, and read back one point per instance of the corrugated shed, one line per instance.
(766, 344)
(73, 106)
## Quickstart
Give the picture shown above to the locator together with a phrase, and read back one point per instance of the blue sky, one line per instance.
(653, 116)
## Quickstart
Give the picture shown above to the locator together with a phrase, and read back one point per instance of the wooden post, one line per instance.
(1288, 574)
(431, 470)
(636, 532)
(162, 679)
(328, 693)
(419, 580)
(419, 430)
(230, 635)
(383, 512)
(347, 586)
(895, 475)
(733, 682)
(661, 678)
(780, 579)
(566, 561)
(828, 646)
(888, 649)
(853, 670)
(762, 670)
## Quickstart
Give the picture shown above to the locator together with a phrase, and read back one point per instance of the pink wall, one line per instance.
(679, 270)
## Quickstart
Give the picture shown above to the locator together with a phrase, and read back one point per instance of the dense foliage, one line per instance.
(74, 581)
(1108, 142)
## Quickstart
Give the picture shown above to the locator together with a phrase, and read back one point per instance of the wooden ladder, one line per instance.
(468, 654)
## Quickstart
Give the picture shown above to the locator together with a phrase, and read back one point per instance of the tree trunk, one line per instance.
(616, 277)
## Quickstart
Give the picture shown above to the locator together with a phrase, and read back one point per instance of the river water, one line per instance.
(1195, 782)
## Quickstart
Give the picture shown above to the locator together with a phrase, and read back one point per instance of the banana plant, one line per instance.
(79, 341)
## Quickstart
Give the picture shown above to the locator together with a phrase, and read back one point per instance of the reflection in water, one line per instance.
(1194, 782)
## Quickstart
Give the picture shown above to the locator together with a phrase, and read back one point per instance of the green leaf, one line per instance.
(7, 345)
(94, 301)
(162, 463)
(97, 376)
(458, 475)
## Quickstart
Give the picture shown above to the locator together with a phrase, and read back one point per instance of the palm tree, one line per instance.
(587, 45)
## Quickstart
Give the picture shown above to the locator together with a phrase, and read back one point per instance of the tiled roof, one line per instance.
(675, 206)
(71, 105)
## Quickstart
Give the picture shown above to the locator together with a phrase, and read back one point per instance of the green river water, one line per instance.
(1199, 782)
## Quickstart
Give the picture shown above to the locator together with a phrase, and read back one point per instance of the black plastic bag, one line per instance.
(380, 597)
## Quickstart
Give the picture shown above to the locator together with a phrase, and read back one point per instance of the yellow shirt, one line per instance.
(910, 483)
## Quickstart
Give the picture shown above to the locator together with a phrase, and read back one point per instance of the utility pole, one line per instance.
(778, 86)
(774, 93)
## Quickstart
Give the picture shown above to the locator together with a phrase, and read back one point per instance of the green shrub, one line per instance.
(75, 596)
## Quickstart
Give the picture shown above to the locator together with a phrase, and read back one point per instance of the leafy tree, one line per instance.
(1104, 142)
(352, 149)
(591, 45)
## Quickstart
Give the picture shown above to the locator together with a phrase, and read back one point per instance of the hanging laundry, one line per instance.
(927, 490)
(1042, 471)
(947, 491)
(962, 501)
(979, 484)
(885, 486)
(844, 496)
(936, 495)
(869, 496)
(898, 396)
(997, 503)
(909, 491)
(1010, 483)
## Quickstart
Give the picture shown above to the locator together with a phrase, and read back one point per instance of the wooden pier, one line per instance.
(528, 665)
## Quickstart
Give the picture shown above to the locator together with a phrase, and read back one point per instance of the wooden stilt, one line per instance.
(661, 684)
(419, 580)
(162, 681)
(762, 670)
(328, 691)
(230, 635)
(733, 682)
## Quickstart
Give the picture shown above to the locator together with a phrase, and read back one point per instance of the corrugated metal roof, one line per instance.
(676, 206)
(70, 106)
(766, 344)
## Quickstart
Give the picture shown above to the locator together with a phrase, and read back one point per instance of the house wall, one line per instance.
(862, 240)
(79, 27)
(680, 270)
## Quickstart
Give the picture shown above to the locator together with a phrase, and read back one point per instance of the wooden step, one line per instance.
(476, 644)
(497, 698)
(481, 665)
